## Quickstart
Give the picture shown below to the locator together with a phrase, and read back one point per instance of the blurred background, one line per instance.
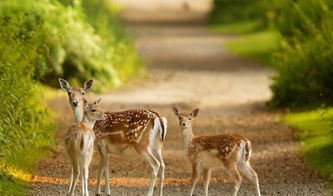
(260, 68)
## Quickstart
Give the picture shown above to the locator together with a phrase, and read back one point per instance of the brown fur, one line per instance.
(132, 127)
(75, 129)
(130, 123)
(79, 142)
(224, 144)
(207, 152)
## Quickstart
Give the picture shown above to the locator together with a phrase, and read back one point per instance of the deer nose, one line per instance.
(184, 124)
(75, 103)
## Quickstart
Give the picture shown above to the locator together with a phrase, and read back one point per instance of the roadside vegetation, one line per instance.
(39, 42)
(259, 46)
(295, 38)
(316, 137)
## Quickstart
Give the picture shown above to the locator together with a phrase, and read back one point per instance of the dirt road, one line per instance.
(188, 67)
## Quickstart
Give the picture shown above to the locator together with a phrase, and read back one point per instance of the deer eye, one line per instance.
(69, 93)
(93, 110)
(190, 118)
(179, 118)
(82, 93)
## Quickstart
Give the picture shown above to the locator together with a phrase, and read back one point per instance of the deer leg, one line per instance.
(158, 153)
(247, 171)
(106, 171)
(99, 177)
(76, 174)
(207, 173)
(86, 175)
(196, 171)
(234, 174)
(150, 158)
(104, 166)
(71, 179)
(83, 181)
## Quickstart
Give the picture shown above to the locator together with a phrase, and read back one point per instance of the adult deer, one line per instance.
(144, 130)
(229, 151)
(79, 143)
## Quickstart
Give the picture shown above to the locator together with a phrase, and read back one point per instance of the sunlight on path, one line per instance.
(125, 181)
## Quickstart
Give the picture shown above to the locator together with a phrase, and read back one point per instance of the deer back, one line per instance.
(126, 126)
(74, 137)
(219, 146)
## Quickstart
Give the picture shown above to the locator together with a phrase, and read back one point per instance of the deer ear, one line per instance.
(87, 85)
(175, 111)
(98, 101)
(64, 84)
(195, 113)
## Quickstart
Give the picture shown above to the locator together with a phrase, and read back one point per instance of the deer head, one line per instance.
(76, 97)
(93, 111)
(185, 120)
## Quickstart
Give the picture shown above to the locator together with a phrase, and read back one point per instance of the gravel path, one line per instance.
(188, 67)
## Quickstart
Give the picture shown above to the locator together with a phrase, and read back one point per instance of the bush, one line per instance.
(240, 11)
(305, 66)
(24, 123)
(80, 41)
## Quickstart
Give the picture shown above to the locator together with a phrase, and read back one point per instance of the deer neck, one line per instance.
(188, 136)
(88, 121)
(78, 113)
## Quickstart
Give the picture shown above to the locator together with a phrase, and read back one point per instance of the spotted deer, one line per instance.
(75, 97)
(144, 130)
(79, 143)
(229, 151)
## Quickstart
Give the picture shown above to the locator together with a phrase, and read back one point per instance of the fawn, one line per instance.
(229, 151)
(144, 130)
(79, 143)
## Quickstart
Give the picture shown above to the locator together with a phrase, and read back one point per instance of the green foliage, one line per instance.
(10, 186)
(101, 16)
(24, 123)
(305, 65)
(240, 11)
(316, 138)
(81, 40)
(243, 27)
(265, 44)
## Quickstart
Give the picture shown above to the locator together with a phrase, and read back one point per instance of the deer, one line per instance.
(231, 152)
(79, 144)
(144, 130)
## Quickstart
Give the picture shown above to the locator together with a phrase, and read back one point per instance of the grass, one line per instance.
(238, 28)
(12, 186)
(259, 46)
(16, 170)
(14, 175)
(316, 138)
